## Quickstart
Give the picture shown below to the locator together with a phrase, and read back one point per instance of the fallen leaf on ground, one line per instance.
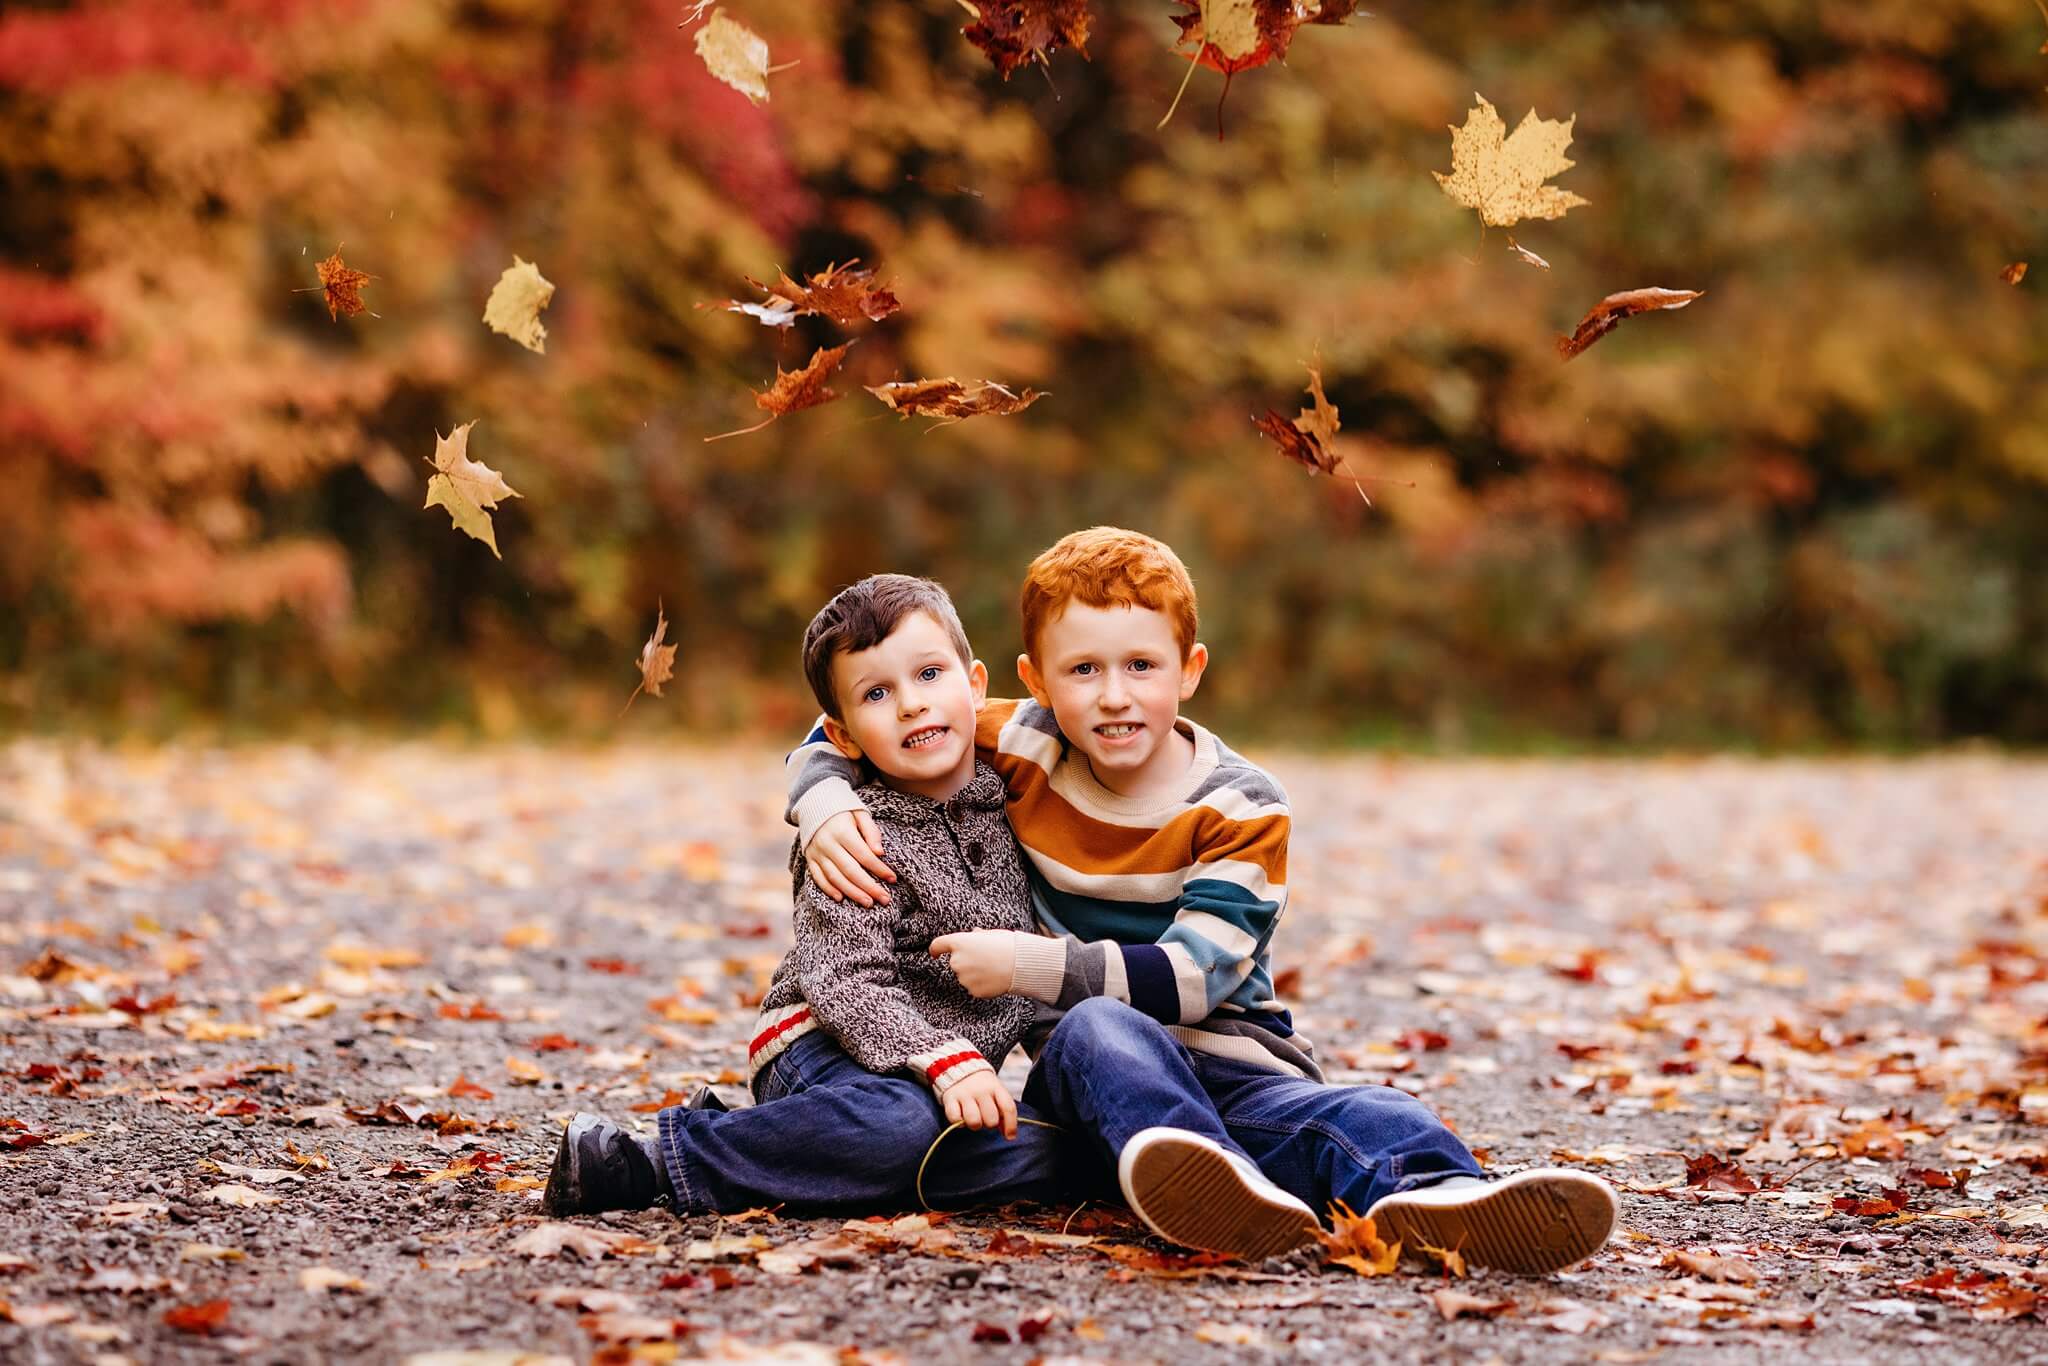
(361, 957)
(36, 1315)
(1610, 311)
(1711, 1267)
(121, 1280)
(524, 1073)
(515, 304)
(462, 1088)
(555, 1238)
(342, 287)
(952, 399)
(1013, 32)
(794, 1259)
(1453, 1304)
(326, 1280)
(262, 1176)
(1452, 1260)
(736, 55)
(466, 487)
(1563, 1315)
(1716, 1173)
(209, 1252)
(795, 390)
(1223, 1334)
(201, 1319)
(121, 1210)
(619, 1326)
(245, 1197)
(657, 661)
(724, 1246)
(1501, 175)
(1354, 1242)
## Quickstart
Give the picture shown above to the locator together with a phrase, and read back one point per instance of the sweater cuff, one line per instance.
(826, 799)
(950, 1064)
(1040, 968)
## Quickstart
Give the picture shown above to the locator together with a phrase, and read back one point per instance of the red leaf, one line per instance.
(198, 1318)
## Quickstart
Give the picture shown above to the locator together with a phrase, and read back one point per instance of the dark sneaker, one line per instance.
(704, 1098)
(599, 1167)
(1533, 1222)
(1193, 1191)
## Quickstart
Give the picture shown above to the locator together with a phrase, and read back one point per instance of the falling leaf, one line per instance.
(1013, 32)
(246, 1197)
(325, 1280)
(657, 661)
(844, 294)
(1524, 254)
(1311, 438)
(2017, 271)
(1454, 1304)
(1610, 311)
(466, 487)
(201, 1319)
(951, 400)
(342, 287)
(1502, 176)
(515, 304)
(556, 1238)
(795, 390)
(1236, 35)
(736, 55)
(1355, 1243)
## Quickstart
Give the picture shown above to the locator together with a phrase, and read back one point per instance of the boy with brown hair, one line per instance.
(866, 1046)
(1158, 858)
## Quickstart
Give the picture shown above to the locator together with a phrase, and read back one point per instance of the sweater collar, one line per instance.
(984, 792)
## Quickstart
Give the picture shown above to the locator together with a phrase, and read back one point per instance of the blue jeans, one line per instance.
(1109, 1071)
(828, 1134)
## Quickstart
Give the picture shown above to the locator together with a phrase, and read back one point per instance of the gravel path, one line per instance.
(286, 1035)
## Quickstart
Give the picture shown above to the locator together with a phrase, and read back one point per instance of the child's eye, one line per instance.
(928, 673)
(1082, 668)
(1141, 665)
(874, 694)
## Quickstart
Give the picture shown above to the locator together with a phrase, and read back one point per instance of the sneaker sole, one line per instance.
(1531, 1227)
(1191, 1195)
(563, 1176)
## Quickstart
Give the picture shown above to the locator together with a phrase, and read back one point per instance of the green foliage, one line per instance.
(1811, 508)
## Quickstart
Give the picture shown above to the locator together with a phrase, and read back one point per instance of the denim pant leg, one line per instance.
(1108, 1071)
(829, 1134)
(1043, 1165)
(1322, 1142)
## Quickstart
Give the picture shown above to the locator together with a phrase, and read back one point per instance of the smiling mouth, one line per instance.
(926, 738)
(1119, 730)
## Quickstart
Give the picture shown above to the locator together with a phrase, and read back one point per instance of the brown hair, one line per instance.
(1106, 566)
(866, 614)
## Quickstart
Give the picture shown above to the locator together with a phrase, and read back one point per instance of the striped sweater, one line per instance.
(1169, 906)
(866, 974)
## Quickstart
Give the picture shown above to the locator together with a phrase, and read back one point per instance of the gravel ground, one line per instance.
(279, 1011)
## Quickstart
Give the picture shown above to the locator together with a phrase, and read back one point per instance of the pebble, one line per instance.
(411, 1247)
(48, 1187)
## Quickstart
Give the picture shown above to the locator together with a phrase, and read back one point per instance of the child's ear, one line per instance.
(1027, 674)
(842, 739)
(977, 681)
(1191, 672)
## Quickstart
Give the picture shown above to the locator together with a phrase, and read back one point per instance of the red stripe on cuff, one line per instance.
(768, 1036)
(938, 1068)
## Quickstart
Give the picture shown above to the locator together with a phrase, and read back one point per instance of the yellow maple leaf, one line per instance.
(1502, 175)
(466, 487)
(515, 304)
(736, 55)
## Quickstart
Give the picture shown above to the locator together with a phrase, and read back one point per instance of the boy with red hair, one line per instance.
(1158, 862)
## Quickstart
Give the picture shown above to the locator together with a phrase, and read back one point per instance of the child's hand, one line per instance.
(985, 961)
(840, 857)
(982, 1102)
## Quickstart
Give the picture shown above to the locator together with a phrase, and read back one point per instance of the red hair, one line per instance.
(1106, 566)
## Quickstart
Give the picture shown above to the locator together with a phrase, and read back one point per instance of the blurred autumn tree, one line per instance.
(1812, 508)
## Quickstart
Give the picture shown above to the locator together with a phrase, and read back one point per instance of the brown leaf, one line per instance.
(557, 1237)
(1610, 311)
(326, 1280)
(795, 390)
(342, 287)
(951, 399)
(1710, 1267)
(1526, 255)
(1236, 35)
(1013, 32)
(1503, 175)
(657, 661)
(841, 293)
(1453, 1304)
(465, 1089)
(2017, 271)
(1311, 438)
(1716, 1173)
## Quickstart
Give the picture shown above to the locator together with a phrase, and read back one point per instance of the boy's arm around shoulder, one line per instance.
(1230, 899)
(844, 957)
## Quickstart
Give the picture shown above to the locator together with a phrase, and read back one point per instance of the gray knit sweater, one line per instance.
(866, 974)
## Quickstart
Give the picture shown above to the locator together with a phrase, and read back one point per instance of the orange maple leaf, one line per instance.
(951, 400)
(657, 661)
(795, 390)
(1353, 1241)
(342, 286)
(842, 293)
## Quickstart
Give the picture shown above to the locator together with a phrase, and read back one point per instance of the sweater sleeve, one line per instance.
(1228, 906)
(844, 962)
